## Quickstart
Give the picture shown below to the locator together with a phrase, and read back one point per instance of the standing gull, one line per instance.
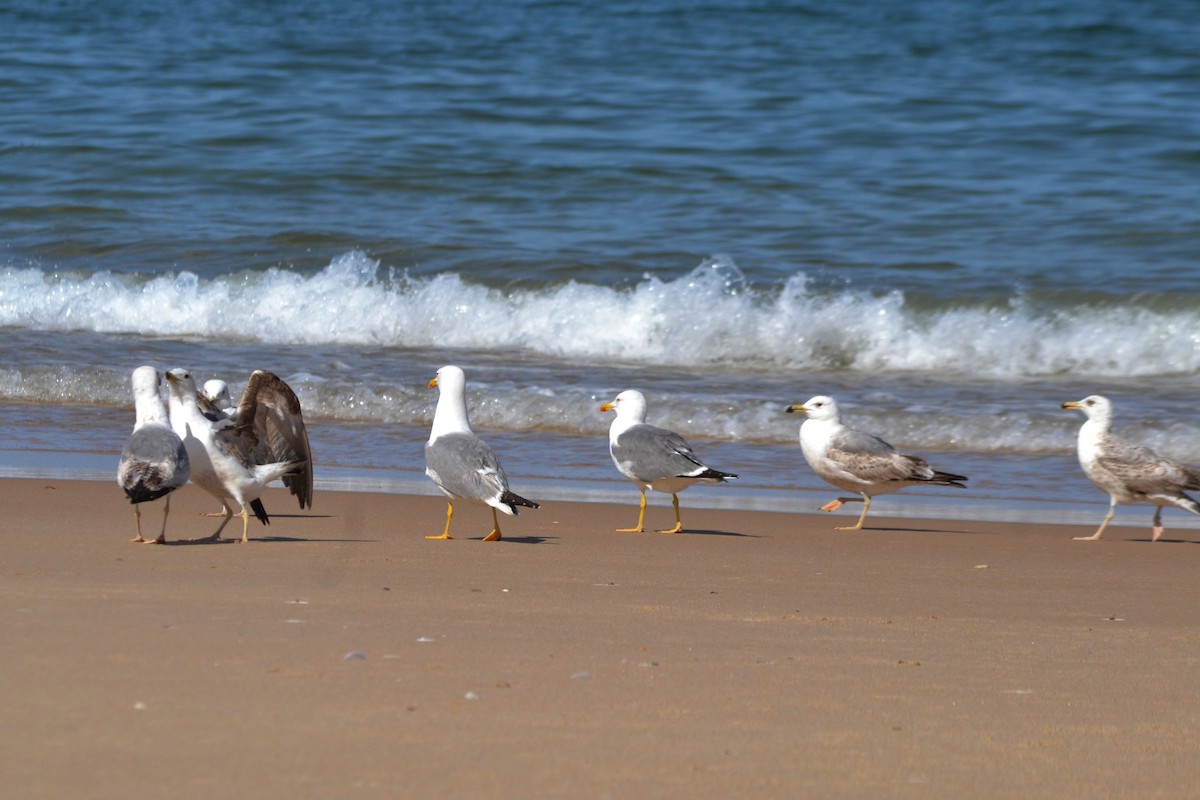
(653, 458)
(236, 460)
(859, 462)
(154, 462)
(461, 464)
(1128, 472)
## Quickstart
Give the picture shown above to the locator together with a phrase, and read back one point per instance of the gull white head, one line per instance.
(819, 408)
(217, 392)
(450, 416)
(181, 384)
(1097, 408)
(630, 406)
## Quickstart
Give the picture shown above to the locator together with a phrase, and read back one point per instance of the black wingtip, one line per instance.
(513, 500)
(140, 494)
(260, 511)
(950, 479)
(716, 475)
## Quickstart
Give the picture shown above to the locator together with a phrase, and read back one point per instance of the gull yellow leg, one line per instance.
(866, 501)
(678, 522)
(446, 533)
(494, 536)
(1112, 509)
(641, 518)
(245, 524)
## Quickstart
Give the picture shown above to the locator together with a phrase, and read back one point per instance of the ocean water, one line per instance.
(952, 216)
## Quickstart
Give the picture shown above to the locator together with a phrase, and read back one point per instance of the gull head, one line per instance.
(181, 381)
(145, 382)
(629, 404)
(820, 408)
(449, 379)
(217, 392)
(1096, 407)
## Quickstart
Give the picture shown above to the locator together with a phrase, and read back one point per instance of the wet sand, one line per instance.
(340, 654)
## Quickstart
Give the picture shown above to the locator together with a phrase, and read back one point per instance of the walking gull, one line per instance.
(236, 460)
(859, 462)
(461, 464)
(1129, 472)
(653, 458)
(154, 461)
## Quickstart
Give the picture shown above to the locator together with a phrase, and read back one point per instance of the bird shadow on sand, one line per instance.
(699, 532)
(526, 539)
(885, 529)
(262, 540)
(1160, 541)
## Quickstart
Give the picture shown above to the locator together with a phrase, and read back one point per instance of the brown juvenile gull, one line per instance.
(154, 461)
(1130, 473)
(653, 458)
(859, 462)
(459, 463)
(236, 460)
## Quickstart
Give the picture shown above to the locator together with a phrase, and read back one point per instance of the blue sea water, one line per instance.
(951, 215)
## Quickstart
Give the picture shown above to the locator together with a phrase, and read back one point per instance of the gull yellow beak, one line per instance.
(797, 409)
(433, 383)
(1072, 404)
(607, 407)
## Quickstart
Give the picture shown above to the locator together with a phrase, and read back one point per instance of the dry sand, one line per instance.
(758, 655)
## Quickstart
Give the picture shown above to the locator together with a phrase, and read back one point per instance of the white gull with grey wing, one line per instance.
(652, 457)
(460, 464)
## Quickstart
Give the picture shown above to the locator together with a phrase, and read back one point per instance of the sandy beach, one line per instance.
(340, 654)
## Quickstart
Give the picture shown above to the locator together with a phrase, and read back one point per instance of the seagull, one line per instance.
(216, 392)
(653, 458)
(154, 461)
(459, 463)
(859, 462)
(236, 460)
(1128, 472)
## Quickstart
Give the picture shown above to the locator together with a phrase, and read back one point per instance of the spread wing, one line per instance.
(270, 429)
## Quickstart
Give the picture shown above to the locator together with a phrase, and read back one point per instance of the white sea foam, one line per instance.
(710, 317)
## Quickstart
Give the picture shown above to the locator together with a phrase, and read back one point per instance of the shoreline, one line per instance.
(910, 504)
(757, 654)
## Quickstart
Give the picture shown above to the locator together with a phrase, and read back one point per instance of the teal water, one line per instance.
(953, 216)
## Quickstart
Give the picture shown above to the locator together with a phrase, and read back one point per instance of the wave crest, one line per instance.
(712, 316)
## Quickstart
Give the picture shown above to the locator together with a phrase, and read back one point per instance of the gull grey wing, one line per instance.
(465, 466)
(153, 463)
(871, 459)
(655, 453)
(270, 425)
